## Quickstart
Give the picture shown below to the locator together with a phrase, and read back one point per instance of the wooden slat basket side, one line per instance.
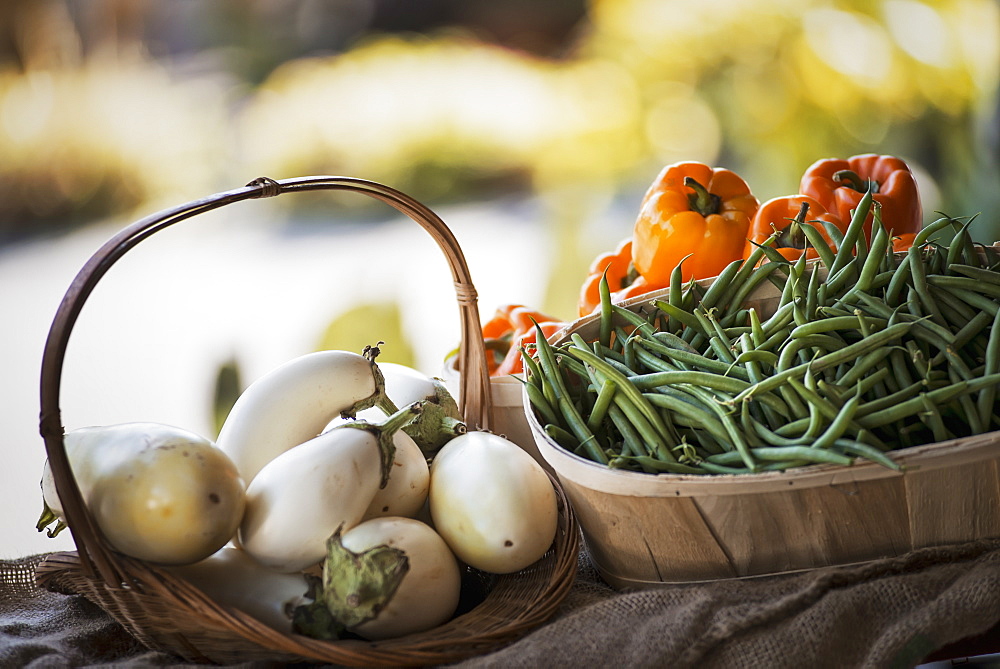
(645, 530)
(167, 613)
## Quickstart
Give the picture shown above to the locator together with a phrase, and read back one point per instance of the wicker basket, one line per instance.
(166, 613)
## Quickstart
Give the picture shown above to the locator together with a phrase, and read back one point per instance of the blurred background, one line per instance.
(532, 128)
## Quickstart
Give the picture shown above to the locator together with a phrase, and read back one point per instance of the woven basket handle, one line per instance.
(474, 389)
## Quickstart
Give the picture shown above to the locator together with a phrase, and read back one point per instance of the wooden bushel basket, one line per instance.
(167, 613)
(644, 530)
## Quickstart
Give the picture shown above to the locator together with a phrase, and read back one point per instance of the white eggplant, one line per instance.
(291, 404)
(157, 492)
(492, 502)
(441, 420)
(300, 498)
(231, 578)
(388, 577)
(409, 479)
(405, 385)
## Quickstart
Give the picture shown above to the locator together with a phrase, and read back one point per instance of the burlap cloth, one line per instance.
(889, 613)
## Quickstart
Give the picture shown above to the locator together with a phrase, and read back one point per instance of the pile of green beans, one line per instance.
(881, 351)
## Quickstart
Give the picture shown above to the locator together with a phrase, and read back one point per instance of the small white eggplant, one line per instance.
(158, 493)
(492, 502)
(291, 404)
(388, 577)
(440, 421)
(405, 494)
(300, 498)
(231, 578)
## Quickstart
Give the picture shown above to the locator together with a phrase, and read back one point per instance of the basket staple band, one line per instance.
(474, 390)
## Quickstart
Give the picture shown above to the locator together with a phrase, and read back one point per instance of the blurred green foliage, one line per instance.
(355, 329)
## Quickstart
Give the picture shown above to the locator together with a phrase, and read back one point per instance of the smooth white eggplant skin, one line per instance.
(409, 480)
(429, 593)
(231, 578)
(405, 385)
(158, 493)
(292, 404)
(300, 498)
(492, 502)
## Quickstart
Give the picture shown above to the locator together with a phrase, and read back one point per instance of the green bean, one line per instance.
(863, 450)
(836, 323)
(870, 267)
(931, 416)
(562, 437)
(638, 320)
(704, 379)
(845, 252)
(779, 319)
(607, 314)
(693, 409)
(627, 389)
(835, 233)
(721, 284)
(792, 428)
(978, 273)
(654, 466)
(823, 249)
(846, 354)
(769, 436)
(937, 395)
(649, 435)
(537, 400)
(985, 402)
(976, 300)
(565, 407)
(750, 274)
(671, 340)
(903, 271)
(836, 429)
(753, 355)
(688, 320)
(966, 283)
(531, 371)
(799, 344)
(676, 293)
(737, 439)
(631, 440)
(685, 357)
(756, 278)
(776, 339)
(651, 362)
(862, 365)
(865, 385)
(787, 453)
(600, 409)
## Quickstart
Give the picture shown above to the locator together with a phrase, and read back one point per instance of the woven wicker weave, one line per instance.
(167, 613)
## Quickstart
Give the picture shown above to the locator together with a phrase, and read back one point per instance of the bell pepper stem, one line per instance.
(792, 236)
(852, 179)
(702, 201)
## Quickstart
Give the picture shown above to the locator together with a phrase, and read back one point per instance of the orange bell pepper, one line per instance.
(839, 185)
(512, 325)
(694, 209)
(786, 215)
(620, 272)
